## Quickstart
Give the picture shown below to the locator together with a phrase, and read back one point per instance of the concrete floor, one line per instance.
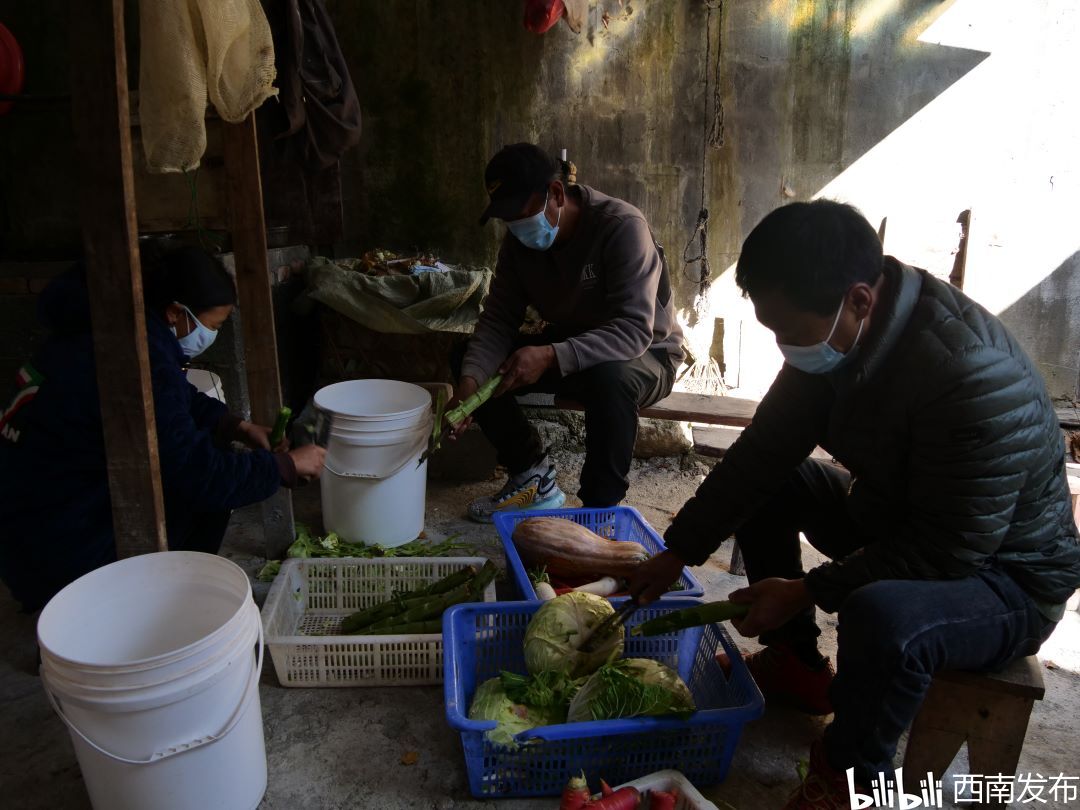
(343, 748)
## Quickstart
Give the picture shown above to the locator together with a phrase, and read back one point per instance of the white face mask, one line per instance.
(535, 232)
(199, 339)
(819, 358)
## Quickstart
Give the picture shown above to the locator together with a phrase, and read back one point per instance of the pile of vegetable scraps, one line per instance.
(565, 685)
(308, 544)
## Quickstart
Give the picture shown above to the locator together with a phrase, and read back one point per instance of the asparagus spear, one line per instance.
(403, 602)
(433, 606)
(709, 613)
(426, 626)
(447, 583)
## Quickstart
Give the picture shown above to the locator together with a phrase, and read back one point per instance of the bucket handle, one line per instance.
(421, 442)
(251, 689)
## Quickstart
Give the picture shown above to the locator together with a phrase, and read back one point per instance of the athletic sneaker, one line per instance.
(783, 677)
(533, 489)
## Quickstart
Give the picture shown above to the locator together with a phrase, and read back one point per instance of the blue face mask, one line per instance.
(535, 232)
(198, 340)
(821, 358)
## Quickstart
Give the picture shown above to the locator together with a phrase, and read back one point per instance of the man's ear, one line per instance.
(862, 299)
(558, 192)
(174, 313)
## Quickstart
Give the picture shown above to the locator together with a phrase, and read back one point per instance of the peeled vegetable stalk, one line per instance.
(709, 613)
(471, 403)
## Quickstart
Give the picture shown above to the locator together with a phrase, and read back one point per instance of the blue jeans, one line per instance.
(893, 635)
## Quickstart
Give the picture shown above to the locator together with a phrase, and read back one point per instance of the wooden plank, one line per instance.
(1022, 678)
(248, 227)
(678, 407)
(1069, 417)
(959, 269)
(715, 441)
(99, 99)
(244, 191)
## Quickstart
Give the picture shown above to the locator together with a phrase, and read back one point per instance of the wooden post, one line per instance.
(956, 277)
(99, 100)
(248, 227)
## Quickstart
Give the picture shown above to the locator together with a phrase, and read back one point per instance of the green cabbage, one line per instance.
(631, 687)
(545, 690)
(492, 703)
(560, 625)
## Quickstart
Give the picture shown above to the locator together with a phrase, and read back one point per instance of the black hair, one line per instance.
(188, 276)
(810, 252)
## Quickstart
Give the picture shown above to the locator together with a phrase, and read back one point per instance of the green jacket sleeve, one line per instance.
(973, 438)
(790, 421)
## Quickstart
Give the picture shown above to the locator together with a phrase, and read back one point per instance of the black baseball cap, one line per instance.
(516, 173)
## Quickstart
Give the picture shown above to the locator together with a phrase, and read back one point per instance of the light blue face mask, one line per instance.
(821, 358)
(535, 232)
(199, 339)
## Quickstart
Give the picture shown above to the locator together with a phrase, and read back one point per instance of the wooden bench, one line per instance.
(676, 407)
(988, 711)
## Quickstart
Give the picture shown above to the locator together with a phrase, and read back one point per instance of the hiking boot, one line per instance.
(823, 788)
(784, 677)
(533, 489)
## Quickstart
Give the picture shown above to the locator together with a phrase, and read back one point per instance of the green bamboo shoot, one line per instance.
(709, 613)
(455, 415)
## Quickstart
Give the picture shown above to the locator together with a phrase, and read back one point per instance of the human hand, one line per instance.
(772, 603)
(465, 388)
(258, 437)
(309, 460)
(524, 367)
(653, 577)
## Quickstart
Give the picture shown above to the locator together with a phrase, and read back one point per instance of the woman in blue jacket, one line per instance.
(55, 510)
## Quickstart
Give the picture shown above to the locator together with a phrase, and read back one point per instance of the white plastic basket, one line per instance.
(310, 597)
(689, 797)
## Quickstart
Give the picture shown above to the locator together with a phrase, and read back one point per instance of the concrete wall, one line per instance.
(911, 109)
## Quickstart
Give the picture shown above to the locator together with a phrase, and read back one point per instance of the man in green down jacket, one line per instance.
(949, 530)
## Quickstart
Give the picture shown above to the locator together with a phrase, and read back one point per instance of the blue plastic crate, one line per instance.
(482, 639)
(616, 523)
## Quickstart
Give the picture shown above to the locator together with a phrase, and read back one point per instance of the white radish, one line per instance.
(605, 586)
(544, 591)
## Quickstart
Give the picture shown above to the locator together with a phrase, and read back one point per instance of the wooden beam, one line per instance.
(248, 228)
(99, 100)
(959, 270)
(247, 223)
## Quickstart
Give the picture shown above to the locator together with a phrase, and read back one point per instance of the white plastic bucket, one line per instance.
(207, 382)
(152, 664)
(374, 490)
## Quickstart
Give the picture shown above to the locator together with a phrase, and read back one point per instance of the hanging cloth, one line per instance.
(540, 15)
(321, 110)
(191, 51)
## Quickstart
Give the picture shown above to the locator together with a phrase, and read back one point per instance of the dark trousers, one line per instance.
(200, 531)
(893, 635)
(611, 392)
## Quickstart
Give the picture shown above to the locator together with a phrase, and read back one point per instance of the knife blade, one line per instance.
(608, 626)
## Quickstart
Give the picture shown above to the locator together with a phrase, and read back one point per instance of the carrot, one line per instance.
(625, 798)
(663, 800)
(575, 795)
(605, 788)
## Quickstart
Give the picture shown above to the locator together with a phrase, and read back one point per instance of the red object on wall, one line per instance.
(540, 15)
(12, 69)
